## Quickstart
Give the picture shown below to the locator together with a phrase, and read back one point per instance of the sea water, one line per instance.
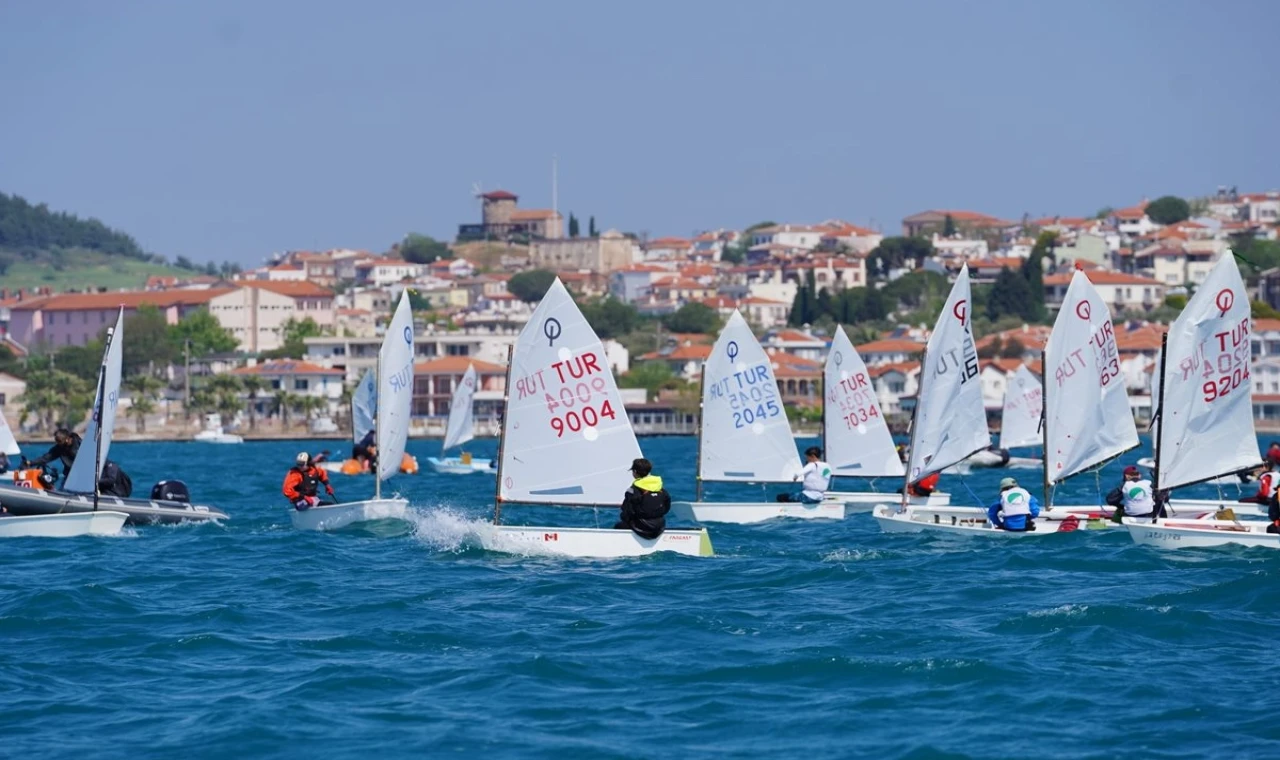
(799, 639)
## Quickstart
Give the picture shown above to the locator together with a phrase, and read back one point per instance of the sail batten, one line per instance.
(854, 430)
(745, 432)
(566, 436)
(395, 389)
(1086, 408)
(950, 418)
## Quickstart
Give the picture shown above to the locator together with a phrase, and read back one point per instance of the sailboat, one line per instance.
(1019, 425)
(394, 405)
(1086, 418)
(566, 441)
(744, 435)
(80, 492)
(1204, 412)
(364, 408)
(855, 437)
(459, 430)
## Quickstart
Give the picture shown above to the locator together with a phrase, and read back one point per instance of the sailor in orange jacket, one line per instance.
(302, 483)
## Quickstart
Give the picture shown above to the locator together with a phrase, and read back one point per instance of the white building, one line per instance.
(384, 272)
(256, 311)
(803, 236)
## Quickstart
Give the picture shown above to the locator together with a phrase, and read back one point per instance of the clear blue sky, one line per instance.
(231, 129)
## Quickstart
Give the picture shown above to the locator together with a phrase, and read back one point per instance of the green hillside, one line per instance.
(40, 247)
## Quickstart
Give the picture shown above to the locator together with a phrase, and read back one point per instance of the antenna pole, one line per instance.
(502, 438)
(911, 438)
(1158, 415)
(702, 381)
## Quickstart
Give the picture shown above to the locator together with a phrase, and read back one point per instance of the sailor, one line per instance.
(66, 445)
(924, 486)
(645, 504)
(1015, 509)
(302, 483)
(363, 451)
(1267, 484)
(814, 479)
(1133, 497)
(114, 481)
(4, 463)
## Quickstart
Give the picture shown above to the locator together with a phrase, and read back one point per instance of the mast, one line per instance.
(702, 380)
(97, 409)
(377, 476)
(911, 437)
(1044, 424)
(1158, 415)
(502, 438)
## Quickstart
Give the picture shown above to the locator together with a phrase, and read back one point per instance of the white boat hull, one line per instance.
(65, 525)
(1174, 533)
(864, 501)
(455, 466)
(599, 543)
(746, 513)
(338, 516)
(214, 437)
(970, 521)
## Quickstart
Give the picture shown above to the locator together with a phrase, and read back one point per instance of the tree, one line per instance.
(81, 361)
(532, 285)
(1168, 209)
(948, 227)
(423, 249)
(573, 225)
(311, 407)
(1261, 310)
(898, 253)
(1033, 270)
(54, 396)
(284, 402)
(992, 349)
(693, 317)
(293, 332)
(653, 376)
(182, 262)
(225, 390)
(26, 227)
(10, 363)
(611, 318)
(591, 227)
(1012, 349)
(252, 386)
(143, 389)
(1012, 295)
(148, 340)
(206, 333)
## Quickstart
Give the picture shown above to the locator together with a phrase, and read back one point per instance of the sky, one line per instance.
(233, 129)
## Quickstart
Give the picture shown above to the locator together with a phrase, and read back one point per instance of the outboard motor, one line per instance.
(171, 490)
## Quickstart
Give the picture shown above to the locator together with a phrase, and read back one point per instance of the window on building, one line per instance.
(300, 384)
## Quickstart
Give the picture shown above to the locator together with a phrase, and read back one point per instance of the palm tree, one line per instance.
(284, 401)
(344, 402)
(143, 389)
(311, 406)
(226, 393)
(253, 385)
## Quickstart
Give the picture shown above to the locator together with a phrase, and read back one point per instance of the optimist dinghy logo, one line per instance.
(1224, 301)
(551, 328)
(1084, 310)
(408, 335)
(961, 310)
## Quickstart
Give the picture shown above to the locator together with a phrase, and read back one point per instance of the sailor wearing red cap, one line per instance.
(1134, 495)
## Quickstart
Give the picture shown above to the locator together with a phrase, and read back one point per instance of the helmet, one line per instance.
(303, 459)
(1008, 483)
(1131, 470)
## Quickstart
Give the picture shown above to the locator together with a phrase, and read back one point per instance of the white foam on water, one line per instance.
(853, 555)
(446, 529)
(1066, 610)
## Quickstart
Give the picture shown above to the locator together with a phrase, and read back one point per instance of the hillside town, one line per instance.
(295, 334)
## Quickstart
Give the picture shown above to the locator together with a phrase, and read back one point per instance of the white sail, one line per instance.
(566, 436)
(854, 431)
(364, 405)
(461, 427)
(950, 419)
(1023, 405)
(1087, 408)
(1206, 418)
(8, 444)
(395, 389)
(745, 432)
(83, 477)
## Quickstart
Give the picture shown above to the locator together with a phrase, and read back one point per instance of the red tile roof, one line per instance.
(1101, 277)
(129, 299)
(890, 346)
(697, 352)
(456, 365)
(286, 367)
(533, 214)
(500, 195)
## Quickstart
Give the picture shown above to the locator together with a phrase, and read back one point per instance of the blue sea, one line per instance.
(798, 640)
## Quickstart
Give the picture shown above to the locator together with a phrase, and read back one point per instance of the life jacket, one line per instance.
(817, 479)
(310, 483)
(1138, 500)
(1268, 483)
(1015, 502)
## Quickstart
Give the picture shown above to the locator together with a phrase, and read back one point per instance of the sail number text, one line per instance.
(752, 398)
(1228, 370)
(581, 401)
(855, 399)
